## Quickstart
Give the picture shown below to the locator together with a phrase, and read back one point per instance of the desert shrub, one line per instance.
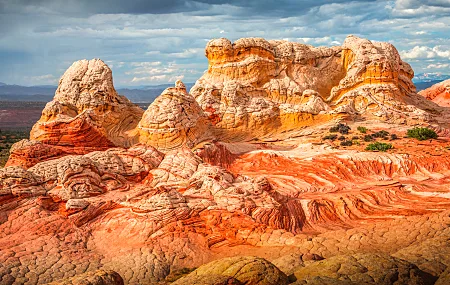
(355, 138)
(394, 137)
(422, 134)
(340, 128)
(368, 138)
(378, 146)
(362, 129)
(346, 143)
(380, 134)
(330, 137)
(342, 138)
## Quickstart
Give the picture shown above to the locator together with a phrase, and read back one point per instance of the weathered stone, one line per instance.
(366, 268)
(247, 270)
(100, 277)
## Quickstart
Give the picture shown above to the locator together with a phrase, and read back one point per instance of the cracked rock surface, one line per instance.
(233, 182)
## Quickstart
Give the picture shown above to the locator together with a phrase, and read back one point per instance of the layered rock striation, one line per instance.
(236, 170)
(86, 114)
(173, 120)
(255, 88)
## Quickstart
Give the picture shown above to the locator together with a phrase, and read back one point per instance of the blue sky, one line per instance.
(156, 42)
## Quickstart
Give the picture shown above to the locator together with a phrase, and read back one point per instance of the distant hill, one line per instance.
(425, 84)
(45, 93)
(425, 80)
(432, 76)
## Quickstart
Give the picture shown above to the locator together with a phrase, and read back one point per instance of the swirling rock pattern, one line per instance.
(236, 168)
(87, 111)
(254, 88)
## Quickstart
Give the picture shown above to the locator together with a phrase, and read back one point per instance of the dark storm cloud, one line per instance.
(99, 7)
(283, 8)
(153, 42)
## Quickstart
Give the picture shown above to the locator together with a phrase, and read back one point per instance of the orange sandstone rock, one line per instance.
(82, 194)
(87, 111)
(256, 88)
(438, 93)
(173, 120)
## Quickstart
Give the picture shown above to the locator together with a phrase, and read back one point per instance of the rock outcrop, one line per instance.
(87, 111)
(100, 277)
(254, 88)
(247, 270)
(366, 269)
(438, 93)
(242, 166)
(174, 119)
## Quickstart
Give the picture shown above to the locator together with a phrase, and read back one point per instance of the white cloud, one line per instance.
(438, 66)
(425, 52)
(150, 78)
(188, 53)
(42, 79)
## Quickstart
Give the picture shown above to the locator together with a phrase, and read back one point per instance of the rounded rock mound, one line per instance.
(248, 270)
(174, 119)
(371, 268)
(86, 110)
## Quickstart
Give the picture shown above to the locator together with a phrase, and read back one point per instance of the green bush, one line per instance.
(368, 138)
(341, 128)
(346, 143)
(362, 129)
(380, 134)
(377, 146)
(422, 134)
(330, 137)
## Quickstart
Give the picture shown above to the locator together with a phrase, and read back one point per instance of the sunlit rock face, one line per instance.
(235, 176)
(87, 111)
(173, 120)
(438, 93)
(254, 87)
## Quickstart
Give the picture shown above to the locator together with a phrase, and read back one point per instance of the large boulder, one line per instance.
(246, 269)
(366, 268)
(99, 277)
(254, 88)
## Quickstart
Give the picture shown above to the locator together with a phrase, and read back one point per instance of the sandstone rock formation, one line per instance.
(247, 270)
(239, 167)
(174, 119)
(254, 88)
(100, 277)
(438, 93)
(366, 268)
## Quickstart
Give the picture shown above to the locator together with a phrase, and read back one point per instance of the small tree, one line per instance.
(422, 134)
